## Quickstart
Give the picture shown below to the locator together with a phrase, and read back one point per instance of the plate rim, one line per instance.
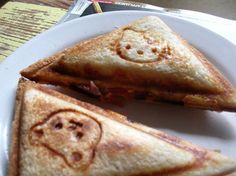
(3, 126)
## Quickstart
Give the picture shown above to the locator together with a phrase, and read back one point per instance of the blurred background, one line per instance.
(223, 8)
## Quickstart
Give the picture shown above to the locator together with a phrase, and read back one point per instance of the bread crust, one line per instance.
(203, 157)
(76, 66)
(13, 167)
(224, 101)
(23, 84)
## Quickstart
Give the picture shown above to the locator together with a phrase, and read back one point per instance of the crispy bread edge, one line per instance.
(205, 102)
(104, 112)
(211, 68)
(31, 70)
(190, 100)
(13, 167)
(25, 84)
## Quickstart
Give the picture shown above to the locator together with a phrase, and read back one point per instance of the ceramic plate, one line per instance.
(212, 130)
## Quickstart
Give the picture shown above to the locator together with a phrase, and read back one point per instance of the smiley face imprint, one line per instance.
(68, 134)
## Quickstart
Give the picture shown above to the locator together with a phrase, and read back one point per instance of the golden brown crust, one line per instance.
(25, 83)
(73, 67)
(122, 119)
(32, 69)
(107, 113)
(13, 167)
(228, 173)
(216, 73)
(203, 158)
(224, 101)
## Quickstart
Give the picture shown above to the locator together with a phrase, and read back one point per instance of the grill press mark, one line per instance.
(76, 156)
(164, 53)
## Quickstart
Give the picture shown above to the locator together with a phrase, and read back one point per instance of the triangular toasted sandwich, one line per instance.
(54, 134)
(144, 59)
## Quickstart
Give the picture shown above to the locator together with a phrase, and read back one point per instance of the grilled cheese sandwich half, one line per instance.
(144, 59)
(54, 134)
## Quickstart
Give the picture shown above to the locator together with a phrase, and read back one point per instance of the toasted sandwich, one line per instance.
(56, 135)
(144, 59)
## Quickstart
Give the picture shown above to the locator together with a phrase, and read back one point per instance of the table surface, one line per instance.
(223, 8)
(54, 3)
(20, 20)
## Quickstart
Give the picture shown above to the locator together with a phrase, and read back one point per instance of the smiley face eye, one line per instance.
(154, 50)
(128, 46)
(57, 125)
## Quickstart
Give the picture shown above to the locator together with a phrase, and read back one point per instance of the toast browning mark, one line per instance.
(68, 134)
(137, 47)
(199, 153)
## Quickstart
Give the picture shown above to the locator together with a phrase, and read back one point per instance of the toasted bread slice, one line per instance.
(54, 134)
(143, 59)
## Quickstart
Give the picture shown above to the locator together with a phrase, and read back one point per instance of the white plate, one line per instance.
(209, 129)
